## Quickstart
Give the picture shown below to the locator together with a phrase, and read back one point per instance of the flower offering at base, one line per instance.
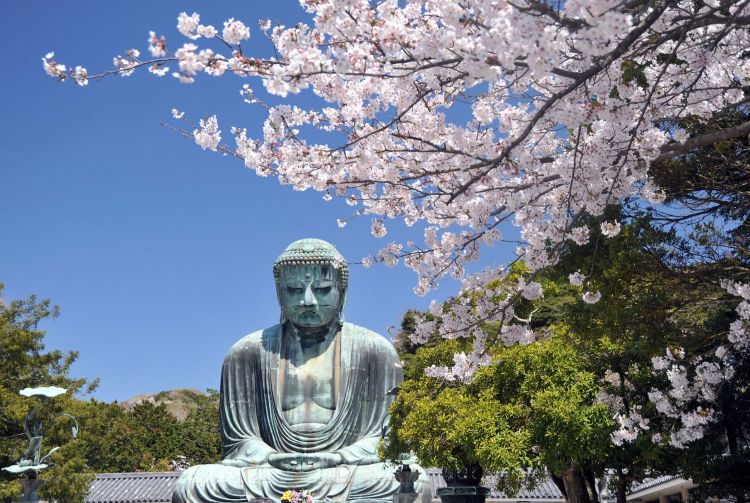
(296, 497)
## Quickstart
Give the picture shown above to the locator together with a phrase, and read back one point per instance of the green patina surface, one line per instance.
(304, 403)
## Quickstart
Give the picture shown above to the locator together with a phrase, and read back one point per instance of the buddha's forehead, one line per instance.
(315, 271)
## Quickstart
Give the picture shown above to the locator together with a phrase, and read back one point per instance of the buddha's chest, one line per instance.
(307, 385)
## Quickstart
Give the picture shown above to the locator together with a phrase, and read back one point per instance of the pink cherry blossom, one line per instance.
(234, 32)
(207, 31)
(81, 76)
(459, 117)
(592, 297)
(157, 46)
(378, 228)
(610, 229)
(208, 135)
(576, 278)
(188, 25)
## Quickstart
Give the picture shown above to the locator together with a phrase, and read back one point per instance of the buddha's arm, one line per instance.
(362, 452)
(240, 429)
(250, 452)
(385, 376)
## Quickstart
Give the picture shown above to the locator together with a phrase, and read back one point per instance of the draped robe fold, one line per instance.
(253, 425)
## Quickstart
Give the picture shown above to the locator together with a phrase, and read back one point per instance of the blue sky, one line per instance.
(158, 253)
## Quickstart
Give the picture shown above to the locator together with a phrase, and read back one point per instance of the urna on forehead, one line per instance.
(316, 256)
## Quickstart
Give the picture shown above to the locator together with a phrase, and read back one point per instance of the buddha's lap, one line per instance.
(221, 483)
(210, 483)
(233, 475)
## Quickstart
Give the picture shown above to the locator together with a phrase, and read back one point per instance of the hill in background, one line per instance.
(178, 402)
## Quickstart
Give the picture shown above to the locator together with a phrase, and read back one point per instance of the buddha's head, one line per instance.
(311, 281)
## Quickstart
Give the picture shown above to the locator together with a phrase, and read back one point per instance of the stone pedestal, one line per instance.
(30, 488)
(405, 497)
(463, 485)
(406, 479)
(463, 494)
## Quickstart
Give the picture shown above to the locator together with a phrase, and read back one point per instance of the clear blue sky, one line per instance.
(158, 253)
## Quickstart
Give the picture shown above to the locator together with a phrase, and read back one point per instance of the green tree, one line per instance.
(69, 477)
(534, 409)
(148, 437)
(708, 206)
(27, 364)
(144, 439)
(201, 441)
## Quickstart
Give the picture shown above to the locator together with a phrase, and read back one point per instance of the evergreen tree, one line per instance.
(25, 363)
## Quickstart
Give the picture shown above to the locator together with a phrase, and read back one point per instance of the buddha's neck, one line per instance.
(312, 337)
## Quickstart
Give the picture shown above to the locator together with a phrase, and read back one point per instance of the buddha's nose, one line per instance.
(309, 299)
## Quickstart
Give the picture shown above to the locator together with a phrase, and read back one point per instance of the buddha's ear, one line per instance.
(341, 308)
(278, 295)
(277, 281)
(282, 316)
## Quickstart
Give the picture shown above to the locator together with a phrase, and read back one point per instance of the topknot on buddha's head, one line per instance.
(311, 251)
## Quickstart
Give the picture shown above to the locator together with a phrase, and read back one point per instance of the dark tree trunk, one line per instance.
(559, 483)
(591, 484)
(734, 453)
(575, 486)
(622, 487)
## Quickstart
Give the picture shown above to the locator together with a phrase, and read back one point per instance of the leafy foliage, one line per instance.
(26, 364)
(148, 437)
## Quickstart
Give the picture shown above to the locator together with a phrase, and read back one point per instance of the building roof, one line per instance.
(648, 483)
(545, 490)
(157, 487)
(140, 487)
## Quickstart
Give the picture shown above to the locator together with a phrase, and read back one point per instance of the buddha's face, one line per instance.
(311, 296)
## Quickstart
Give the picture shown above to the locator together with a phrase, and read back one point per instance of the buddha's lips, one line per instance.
(306, 311)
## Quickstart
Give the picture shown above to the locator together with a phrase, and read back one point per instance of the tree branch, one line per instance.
(672, 149)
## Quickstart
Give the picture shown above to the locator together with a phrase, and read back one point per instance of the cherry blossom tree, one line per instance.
(665, 408)
(570, 103)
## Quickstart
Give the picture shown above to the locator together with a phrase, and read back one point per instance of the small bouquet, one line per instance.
(296, 497)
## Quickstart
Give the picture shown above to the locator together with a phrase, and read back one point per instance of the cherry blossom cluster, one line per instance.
(78, 74)
(694, 382)
(684, 407)
(678, 411)
(564, 103)
(739, 330)
(629, 426)
(485, 297)
(628, 419)
(208, 135)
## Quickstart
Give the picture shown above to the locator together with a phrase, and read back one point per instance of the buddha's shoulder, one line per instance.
(254, 341)
(368, 337)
